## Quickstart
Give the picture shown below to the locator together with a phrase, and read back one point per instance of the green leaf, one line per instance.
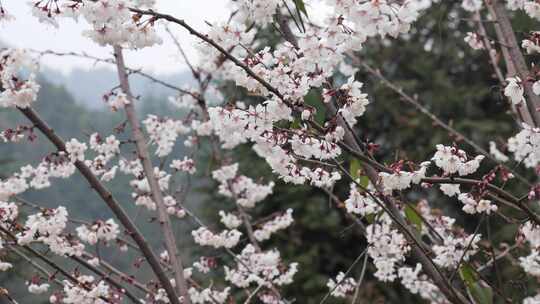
(295, 124)
(467, 275)
(370, 218)
(481, 294)
(413, 217)
(354, 168)
(301, 6)
(364, 181)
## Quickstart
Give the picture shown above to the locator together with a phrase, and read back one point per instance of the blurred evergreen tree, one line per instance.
(454, 82)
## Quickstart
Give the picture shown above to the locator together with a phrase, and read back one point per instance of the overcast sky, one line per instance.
(27, 32)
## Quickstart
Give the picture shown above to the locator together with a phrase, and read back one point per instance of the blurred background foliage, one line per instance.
(432, 63)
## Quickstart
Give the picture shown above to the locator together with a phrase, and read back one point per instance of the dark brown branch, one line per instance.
(107, 278)
(208, 40)
(419, 249)
(108, 198)
(515, 62)
(49, 262)
(509, 197)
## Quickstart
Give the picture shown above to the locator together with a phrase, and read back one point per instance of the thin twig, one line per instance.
(345, 276)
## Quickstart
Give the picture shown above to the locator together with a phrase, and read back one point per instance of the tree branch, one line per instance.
(157, 195)
(108, 198)
(515, 62)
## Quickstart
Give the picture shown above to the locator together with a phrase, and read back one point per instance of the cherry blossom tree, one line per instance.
(416, 246)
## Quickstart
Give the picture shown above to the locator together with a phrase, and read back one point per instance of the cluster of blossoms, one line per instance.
(284, 164)
(12, 186)
(106, 150)
(205, 264)
(452, 160)
(454, 248)
(361, 203)
(142, 193)
(372, 18)
(259, 11)
(55, 165)
(531, 263)
(4, 15)
(15, 135)
(173, 207)
(471, 5)
(387, 248)
(108, 147)
(227, 238)
(400, 180)
(18, 86)
(112, 21)
(255, 124)
(163, 133)
(230, 220)
(453, 243)
(450, 189)
(496, 153)
(514, 90)
(37, 288)
(61, 165)
(77, 294)
(75, 150)
(8, 214)
(354, 101)
(48, 227)
(526, 146)
(229, 36)
(118, 102)
(418, 283)
(237, 126)
(295, 70)
(185, 165)
(472, 206)
(279, 223)
(208, 295)
(310, 147)
(243, 189)
(474, 41)
(439, 226)
(532, 43)
(261, 268)
(341, 286)
(106, 231)
(531, 7)
(184, 101)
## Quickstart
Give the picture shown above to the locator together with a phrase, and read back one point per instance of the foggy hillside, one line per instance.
(87, 86)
